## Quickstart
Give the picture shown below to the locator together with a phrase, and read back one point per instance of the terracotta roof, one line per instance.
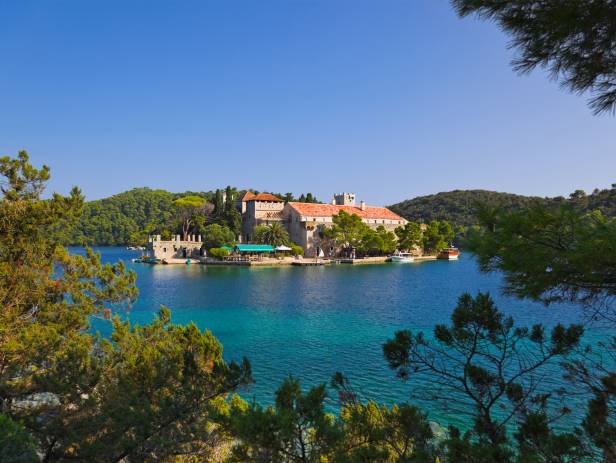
(248, 196)
(264, 197)
(327, 210)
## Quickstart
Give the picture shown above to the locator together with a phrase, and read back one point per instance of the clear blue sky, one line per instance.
(387, 98)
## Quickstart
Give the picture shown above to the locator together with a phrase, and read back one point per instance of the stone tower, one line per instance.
(344, 199)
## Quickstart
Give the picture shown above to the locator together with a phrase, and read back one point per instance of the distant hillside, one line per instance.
(126, 217)
(130, 216)
(459, 206)
(602, 200)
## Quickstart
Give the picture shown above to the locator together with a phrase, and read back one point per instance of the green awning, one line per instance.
(254, 248)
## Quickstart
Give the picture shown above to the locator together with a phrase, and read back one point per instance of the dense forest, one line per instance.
(459, 207)
(128, 217)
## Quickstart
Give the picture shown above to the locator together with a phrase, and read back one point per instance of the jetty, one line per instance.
(309, 263)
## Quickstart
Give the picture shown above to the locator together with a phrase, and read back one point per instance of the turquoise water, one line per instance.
(311, 322)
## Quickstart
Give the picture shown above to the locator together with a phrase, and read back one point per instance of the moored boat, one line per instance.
(449, 254)
(402, 257)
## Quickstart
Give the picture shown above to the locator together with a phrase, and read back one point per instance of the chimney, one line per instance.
(362, 205)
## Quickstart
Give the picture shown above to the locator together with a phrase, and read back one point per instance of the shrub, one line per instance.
(297, 250)
(215, 236)
(218, 253)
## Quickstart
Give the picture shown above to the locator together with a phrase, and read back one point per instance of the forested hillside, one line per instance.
(127, 217)
(459, 207)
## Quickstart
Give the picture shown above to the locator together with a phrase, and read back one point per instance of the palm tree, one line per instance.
(273, 234)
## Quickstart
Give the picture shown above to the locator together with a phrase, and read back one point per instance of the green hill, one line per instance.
(129, 216)
(126, 217)
(459, 206)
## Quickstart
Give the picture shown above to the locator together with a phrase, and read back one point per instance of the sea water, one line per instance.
(311, 322)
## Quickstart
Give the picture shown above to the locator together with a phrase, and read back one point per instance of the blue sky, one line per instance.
(387, 98)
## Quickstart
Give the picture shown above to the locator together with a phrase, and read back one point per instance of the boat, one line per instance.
(147, 260)
(449, 254)
(402, 257)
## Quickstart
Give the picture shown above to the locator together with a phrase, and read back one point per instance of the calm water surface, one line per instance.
(311, 322)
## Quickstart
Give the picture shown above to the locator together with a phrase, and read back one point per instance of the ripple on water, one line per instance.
(311, 322)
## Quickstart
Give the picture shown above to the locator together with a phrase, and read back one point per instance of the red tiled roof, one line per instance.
(248, 196)
(327, 210)
(264, 197)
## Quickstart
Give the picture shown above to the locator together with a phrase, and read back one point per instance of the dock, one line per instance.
(308, 263)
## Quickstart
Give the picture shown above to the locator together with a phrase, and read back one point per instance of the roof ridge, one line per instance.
(369, 212)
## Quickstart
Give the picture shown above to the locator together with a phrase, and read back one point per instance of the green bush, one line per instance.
(297, 250)
(218, 253)
(215, 236)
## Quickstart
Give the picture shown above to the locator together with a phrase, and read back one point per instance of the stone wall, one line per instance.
(259, 213)
(176, 248)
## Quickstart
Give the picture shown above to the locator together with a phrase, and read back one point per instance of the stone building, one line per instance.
(175, 249)
(305, 221)
(258, 209)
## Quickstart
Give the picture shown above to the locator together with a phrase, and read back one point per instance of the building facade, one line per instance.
(306, 221)
(259, 209)
(174, 249)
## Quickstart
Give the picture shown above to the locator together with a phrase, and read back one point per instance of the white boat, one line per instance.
(402, 257)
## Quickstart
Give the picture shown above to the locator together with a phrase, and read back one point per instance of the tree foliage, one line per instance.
(459, 207)
(189, 210)
(218, 253)
(574, 40)
(410, 236)
(145, 394)
(16, 444)
(274, 234)
(216, 236)
(437, 235)
(127, 218)
(551, 255)
(298, 429)
(379, 241)
(231, 216)
(563, 253)
(485, 366)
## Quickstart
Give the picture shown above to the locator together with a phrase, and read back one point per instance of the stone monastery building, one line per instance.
(304, 221)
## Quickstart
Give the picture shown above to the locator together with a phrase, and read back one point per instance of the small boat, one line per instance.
(402, 257)
(147, 260)
(449, 254)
